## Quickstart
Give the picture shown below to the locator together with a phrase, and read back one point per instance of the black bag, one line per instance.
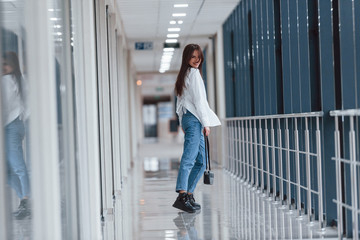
(208, 175)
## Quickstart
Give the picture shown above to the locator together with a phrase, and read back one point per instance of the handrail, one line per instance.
(348, 112)
(263, 151)
(346, 155)
(279, 116)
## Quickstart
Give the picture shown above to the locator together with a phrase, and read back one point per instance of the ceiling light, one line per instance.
(139, 82)
(169, 49)
(166, 60)
(174, 29)
(171, 40)
(168, 53)
(179, 14)
(166, 56)
(173, 35)
(173, 22)
(181, 5)
(180, 22)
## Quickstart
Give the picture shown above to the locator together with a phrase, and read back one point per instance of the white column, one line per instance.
(43, 126)
(220, 74)
(220, 87)
(87, 119)
(210, 74)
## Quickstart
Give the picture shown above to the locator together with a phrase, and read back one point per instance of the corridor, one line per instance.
(231, 209)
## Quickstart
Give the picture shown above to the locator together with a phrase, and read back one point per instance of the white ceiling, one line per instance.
(149, 20)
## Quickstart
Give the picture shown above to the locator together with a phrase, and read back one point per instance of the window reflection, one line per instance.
(15, 115)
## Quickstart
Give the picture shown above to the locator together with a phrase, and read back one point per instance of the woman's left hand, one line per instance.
(206, 131)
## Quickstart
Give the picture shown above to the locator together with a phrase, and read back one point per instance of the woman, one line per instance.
(196, 118)
(13, 109)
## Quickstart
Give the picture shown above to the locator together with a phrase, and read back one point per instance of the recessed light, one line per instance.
(172, 22)
(179, 14)
(174, 29)
(168, 53)
(171, 40)
(169, 49)
(180, 22)
(181, 5)
(172, 35)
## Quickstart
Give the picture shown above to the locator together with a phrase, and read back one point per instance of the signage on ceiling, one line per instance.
(143, 45)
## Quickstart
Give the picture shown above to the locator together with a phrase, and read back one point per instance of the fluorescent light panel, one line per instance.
(172, 35)
(169, 49)
(179, 14)
(171, 40)
(181, 5)
(174, 29)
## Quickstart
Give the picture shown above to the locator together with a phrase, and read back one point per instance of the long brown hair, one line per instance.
(186, 57)
(12, 59)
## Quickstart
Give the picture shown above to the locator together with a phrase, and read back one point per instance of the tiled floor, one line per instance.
(230, 208)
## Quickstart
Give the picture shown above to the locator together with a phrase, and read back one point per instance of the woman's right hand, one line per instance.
(206, 131)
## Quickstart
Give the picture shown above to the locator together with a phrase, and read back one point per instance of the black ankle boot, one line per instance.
(193, 203)
(23, 210)
(182, 202)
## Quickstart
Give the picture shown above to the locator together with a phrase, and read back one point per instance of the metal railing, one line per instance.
(279, 155)
(347, 122)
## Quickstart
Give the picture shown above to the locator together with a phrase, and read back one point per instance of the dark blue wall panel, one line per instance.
(328, 104)
(304, 68)
(283, 56)
(285, 38)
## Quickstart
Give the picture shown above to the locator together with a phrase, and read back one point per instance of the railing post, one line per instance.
(261, 156)
(247, 152)
(281, 182)
(240, 150)
(338, 177)
(319, 175)
(232, 148)
(273, 158)
(236, 149)
(287, 147)
(354, 182)
(251, 180)
(267, 158)
(256, 156)
(308, 176)
(297, 161)
(243, 152)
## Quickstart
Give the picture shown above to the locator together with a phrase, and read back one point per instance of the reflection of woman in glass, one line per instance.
(13, 108)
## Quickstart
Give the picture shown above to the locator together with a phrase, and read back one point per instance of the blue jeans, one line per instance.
(193, 164)
(18, 177)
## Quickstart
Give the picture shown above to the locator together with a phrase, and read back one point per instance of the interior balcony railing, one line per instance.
(347, 170)
(279, 156)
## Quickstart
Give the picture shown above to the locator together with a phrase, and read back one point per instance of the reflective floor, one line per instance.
(230, 208)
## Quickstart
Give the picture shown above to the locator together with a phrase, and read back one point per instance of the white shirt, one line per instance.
(12, 105)
(194, 99)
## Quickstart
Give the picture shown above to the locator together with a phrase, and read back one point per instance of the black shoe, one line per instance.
(23, 210)
(182, 202)
(193, 203)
